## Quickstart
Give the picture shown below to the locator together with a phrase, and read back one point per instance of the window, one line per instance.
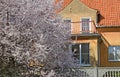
(68, 20)
(12, 19)
(9, 19)
(81, 54)
(114, 53)
(76, 51)
(84, 54)
(85, 25)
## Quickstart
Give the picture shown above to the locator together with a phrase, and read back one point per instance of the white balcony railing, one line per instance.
(83, 27)
(91, 72)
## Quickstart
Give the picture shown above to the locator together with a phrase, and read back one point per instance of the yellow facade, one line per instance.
(93, 49)
(75, 11)
(104, 62)
(108, 39)
(99, 45)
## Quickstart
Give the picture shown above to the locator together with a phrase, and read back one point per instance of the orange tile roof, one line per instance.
(109, 10)
(64, 3)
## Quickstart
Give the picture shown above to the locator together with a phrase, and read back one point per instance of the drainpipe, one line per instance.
(98, 47)
(98, 65)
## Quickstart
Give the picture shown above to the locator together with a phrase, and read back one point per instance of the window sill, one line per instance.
(86, 65)
(114, 60)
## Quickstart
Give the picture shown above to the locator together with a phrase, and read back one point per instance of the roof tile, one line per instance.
(109, 9)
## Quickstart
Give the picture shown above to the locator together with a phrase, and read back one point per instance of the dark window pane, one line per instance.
(67, 21)
(81, 53)
(85, 48)
(85, 25)
(85, 57)
(75, 50)
(114, 53)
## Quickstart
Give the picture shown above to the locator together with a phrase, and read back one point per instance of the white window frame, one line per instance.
(81, 56)
(115, 51)
(89, 23)
(71, 28)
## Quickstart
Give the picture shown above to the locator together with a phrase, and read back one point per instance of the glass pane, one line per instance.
(85, 59)
(75, 50)
(85, 24)
(114, 53)
(84, 48)
(111, 56)
(67, 20)
(111, 53)
(118, 55)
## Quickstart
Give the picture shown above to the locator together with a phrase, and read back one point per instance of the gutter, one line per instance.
(107, 26)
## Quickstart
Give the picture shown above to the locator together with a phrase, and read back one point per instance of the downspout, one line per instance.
(98, 62)
(99, 41)
(99, 37)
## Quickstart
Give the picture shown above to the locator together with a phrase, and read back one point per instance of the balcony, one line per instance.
(83, 28)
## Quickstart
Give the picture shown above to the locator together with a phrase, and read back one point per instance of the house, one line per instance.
(95, 31)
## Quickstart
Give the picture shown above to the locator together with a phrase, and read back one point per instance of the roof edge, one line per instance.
(107, 26)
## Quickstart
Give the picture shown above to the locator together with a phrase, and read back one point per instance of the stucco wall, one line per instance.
(93, 49)
(104, 62)
(108, 39)
(75, 11)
